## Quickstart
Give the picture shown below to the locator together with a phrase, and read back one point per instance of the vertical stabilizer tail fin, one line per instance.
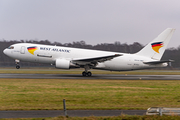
(155, 49)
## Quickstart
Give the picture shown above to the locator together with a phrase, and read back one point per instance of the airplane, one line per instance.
(67, 57)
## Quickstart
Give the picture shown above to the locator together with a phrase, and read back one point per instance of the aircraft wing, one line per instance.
(94, 60)
(158, 62)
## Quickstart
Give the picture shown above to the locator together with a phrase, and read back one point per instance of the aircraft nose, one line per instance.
(5, 51)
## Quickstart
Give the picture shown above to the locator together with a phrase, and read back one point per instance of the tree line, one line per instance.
(170, 53)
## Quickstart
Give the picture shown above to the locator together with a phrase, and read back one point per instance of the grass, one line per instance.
(45, 94)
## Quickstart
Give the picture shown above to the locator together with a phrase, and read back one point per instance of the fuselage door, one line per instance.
(22, 51)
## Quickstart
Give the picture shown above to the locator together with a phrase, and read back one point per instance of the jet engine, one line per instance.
(62, 64)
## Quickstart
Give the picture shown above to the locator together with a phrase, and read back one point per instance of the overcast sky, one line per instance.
(93, 21)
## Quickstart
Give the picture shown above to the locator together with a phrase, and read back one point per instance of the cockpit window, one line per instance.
(11, 47)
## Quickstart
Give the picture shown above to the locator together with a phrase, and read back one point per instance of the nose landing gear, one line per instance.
(17, 63)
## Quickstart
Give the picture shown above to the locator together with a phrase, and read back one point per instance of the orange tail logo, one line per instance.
(32, 49)
(156, 46)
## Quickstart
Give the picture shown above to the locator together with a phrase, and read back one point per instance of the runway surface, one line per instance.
(95, 76)
(71, 113)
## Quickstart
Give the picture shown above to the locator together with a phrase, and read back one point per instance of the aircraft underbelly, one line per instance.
(119, 64)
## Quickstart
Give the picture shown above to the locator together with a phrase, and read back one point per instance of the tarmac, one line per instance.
(95, 76)
(70, 113)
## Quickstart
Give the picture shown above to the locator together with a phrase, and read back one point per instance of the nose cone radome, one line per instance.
(5, 51)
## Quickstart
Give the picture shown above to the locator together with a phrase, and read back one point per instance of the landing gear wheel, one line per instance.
(84, 73)
(89, 74)
(17, 66)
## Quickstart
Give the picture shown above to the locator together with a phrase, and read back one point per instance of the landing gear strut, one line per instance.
(86, 73)
(17, 64)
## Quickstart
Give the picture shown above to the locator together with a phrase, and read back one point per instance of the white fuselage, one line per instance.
(49, 54)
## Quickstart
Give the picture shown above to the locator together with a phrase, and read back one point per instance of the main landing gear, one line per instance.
(86, 73)
(17, 64)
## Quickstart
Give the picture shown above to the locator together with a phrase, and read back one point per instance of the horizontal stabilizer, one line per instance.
(158, 62)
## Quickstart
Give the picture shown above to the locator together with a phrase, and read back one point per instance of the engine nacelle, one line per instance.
(62, 64)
